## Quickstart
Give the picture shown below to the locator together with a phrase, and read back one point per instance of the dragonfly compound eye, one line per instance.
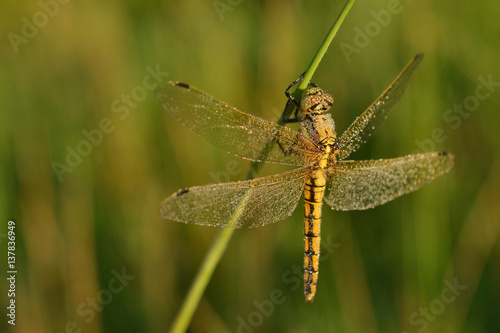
(316, 101)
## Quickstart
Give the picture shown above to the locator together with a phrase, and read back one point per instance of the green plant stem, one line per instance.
(221, 240)
(202, 278)
(324, 46)
(317, 57)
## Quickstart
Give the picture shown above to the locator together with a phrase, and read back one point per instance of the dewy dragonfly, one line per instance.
(324, 174)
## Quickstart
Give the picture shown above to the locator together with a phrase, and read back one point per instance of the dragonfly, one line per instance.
(324, 173)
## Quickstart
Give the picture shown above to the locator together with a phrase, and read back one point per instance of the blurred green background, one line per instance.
(92, 252)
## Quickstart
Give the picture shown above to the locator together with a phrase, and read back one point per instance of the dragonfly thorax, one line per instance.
(320, 128)
(316, 101)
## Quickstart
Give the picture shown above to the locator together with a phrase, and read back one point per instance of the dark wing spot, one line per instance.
(181, 192)
(183, 85)
(442, 153)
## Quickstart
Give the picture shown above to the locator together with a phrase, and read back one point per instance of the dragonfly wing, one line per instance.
(244, 204)
(363, 127)
(232, 130)
(356, 185)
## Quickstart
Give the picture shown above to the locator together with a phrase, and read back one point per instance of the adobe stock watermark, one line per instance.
(293, 278)
(88, 308)
(233, 168)
(454, 116)
(425, 315)
(30, 27)
(223, 6)
(95, 136)
(372, 29)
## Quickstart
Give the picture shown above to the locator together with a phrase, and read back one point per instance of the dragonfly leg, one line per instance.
(291, 99)
(288, 119)
(289, 95)
(296, 118)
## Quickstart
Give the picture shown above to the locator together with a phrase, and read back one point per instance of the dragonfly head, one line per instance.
(316, 101)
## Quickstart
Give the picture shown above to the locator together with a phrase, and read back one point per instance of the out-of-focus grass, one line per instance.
(74, 236)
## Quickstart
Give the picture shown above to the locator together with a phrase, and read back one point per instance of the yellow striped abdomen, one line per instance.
(313, 198)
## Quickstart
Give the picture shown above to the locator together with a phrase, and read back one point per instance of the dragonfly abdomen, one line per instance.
(313, 198)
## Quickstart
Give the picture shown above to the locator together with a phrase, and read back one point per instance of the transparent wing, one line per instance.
(356, 185)
(363, 127)
(232, 130)
(244, 204)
